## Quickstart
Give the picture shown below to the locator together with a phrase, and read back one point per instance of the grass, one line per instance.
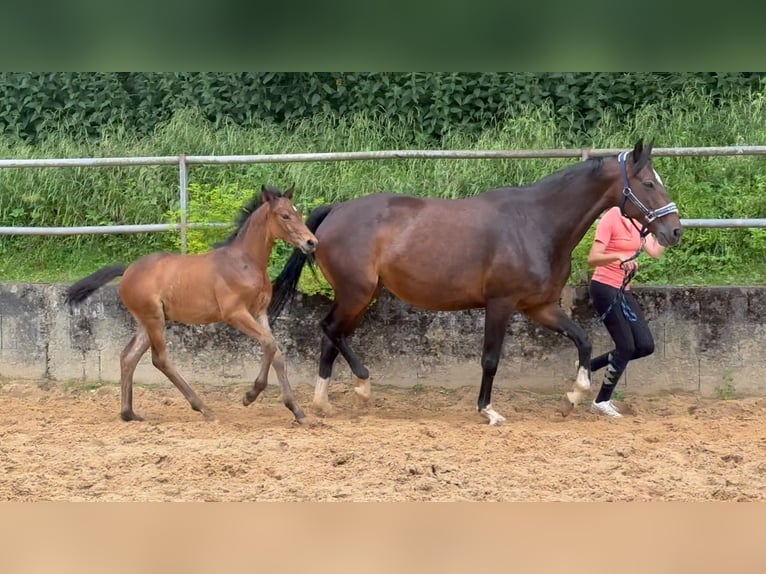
(726, 390)
(703, 187)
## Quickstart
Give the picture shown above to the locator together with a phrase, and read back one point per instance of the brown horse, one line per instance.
(227, 284)
(505, 250)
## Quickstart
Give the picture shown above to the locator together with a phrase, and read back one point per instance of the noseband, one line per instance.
(627, 193)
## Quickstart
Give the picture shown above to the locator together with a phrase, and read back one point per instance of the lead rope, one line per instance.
(620, 297)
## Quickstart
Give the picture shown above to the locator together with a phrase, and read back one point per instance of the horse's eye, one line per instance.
(285, 216)
(649, 183)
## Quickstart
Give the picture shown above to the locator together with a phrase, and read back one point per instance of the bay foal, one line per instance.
(228, 284)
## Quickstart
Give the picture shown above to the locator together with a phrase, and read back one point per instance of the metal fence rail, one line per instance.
(184, 161)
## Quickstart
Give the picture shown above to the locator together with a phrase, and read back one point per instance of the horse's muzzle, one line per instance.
(670, 236)
(309, 246)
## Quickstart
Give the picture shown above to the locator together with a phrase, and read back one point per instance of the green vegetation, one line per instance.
(702, 187)
(35, 104)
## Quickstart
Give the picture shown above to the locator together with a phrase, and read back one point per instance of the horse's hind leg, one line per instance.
(156, 332)
(327, 355)
(343, 319)
(553, 316)
(129, 358)
(260, 331)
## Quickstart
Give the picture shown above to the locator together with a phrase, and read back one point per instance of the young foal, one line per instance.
(506, 250)
(227, 284)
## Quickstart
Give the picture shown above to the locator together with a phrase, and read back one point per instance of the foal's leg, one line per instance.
(262, 380)
(553, 316)
(260, 331)
(129, 358)
(496, 316)
(155, 328)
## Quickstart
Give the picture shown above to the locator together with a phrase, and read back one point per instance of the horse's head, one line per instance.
(644, 197)
(284, 220)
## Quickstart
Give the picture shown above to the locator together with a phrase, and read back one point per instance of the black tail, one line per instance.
(286, 284)
(84, 288)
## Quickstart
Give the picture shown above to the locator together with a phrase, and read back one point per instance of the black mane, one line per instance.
(244, 215)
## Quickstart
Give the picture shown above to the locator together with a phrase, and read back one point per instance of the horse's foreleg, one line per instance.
(554, 317)
(260, 331)
(496, 317)
(262, 380)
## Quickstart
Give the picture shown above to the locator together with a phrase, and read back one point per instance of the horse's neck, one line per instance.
(254, 240)
(572, 208)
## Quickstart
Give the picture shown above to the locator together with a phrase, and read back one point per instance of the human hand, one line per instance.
(629, 265)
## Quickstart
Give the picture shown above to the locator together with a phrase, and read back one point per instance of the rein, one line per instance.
(649, 216)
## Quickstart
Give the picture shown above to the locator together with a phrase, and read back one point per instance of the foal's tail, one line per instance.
(85, 287)
(286, 284)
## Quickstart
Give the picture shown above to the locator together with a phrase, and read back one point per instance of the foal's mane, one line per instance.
(246, 212)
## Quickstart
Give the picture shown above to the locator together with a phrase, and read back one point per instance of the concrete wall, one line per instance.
(706, 339)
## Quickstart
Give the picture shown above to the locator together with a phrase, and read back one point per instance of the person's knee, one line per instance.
(644, 349)
(624, 353)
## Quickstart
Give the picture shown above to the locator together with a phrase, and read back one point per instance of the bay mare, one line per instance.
(506, 250)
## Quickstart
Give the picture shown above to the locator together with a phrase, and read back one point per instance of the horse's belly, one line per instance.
(436, 295)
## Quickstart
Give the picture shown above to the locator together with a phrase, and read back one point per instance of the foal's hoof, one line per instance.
(205, 412)
(209, 416)
(129, 416)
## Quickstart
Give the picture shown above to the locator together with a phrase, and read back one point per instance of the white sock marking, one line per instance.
(583, 380)
(320, 390)
(494, 417)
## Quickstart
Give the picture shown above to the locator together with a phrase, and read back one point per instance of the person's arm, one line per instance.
(653, 247)
(598, 256)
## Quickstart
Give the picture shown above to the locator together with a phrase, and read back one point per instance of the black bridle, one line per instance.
(649, 216)
(627, 194)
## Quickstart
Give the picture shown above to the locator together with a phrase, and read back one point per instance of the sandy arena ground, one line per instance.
(64, 442)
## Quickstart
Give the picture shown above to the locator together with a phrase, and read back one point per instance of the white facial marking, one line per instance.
(583, 380)
(295, 209)
(657, 176)
(494, 417)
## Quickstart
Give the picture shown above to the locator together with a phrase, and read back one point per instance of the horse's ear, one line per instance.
(266, 194)
(638, 150)
(289, 193)
(648, 148)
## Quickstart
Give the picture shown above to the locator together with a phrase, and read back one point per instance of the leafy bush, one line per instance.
(34, 103)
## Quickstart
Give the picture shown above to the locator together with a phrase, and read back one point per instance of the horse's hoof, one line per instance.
(323, 409)
(567, 406)
(494, 417)
(363, 391)
(130, 416)
(246, 400)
